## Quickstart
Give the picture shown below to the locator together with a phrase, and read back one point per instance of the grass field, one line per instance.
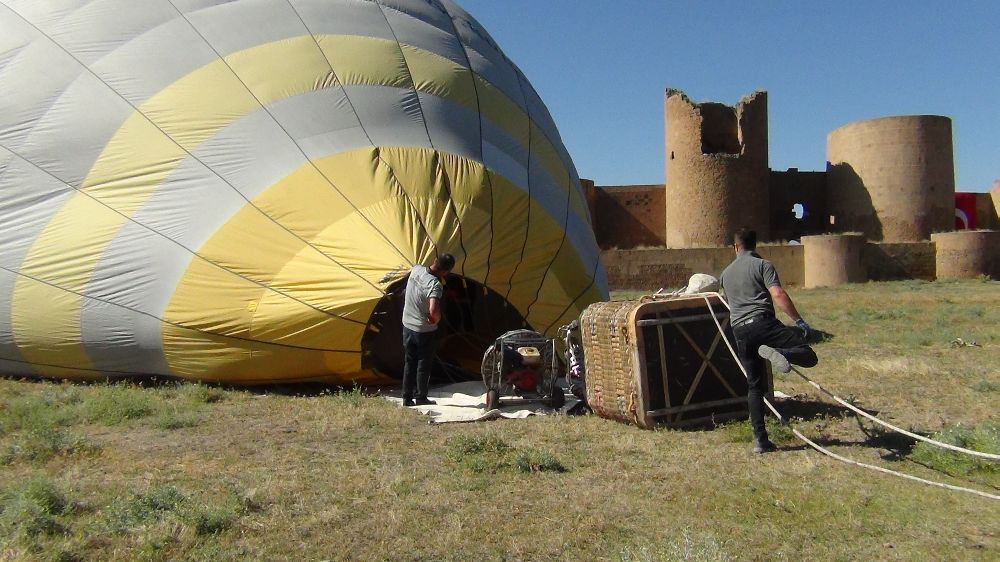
(120, 472)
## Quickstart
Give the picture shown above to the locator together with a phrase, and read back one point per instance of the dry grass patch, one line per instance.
(898, 366)
(199, 473)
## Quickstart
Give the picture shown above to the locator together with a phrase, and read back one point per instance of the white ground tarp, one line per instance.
(466, 402)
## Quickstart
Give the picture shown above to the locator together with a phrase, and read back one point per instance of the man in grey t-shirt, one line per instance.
(752, 288)
(421, 315)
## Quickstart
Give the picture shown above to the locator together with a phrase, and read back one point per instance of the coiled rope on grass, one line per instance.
(843, 459)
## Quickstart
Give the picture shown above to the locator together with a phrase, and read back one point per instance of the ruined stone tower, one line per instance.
(716, 170)
(892, 178)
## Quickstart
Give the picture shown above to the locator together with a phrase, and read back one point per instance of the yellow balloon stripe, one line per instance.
(366, 61)
(592, 294)
(441, 77)
(475, 206)
(442, 187)
(272, 71)
(503, 112)
(220, 359)
(42, 331)
(564, 282)
(511, 208)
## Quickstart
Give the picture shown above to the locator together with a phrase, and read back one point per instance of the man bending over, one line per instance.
(752, 288)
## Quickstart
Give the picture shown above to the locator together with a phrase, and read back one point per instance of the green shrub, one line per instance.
(532, 460)
(32, 510)
(350, 398)
(986, 386)
(174, 419)
(43, 492)
(491, 454)
(201, 394)
(742, 432)
(23, 520)
(136, 510)
(47, 409)
(212, 520)
(462, 445)
(40, 445)
(984, 438)
(115, 404)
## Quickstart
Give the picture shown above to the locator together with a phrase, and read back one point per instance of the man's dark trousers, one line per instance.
(765, 329)
(418, 352)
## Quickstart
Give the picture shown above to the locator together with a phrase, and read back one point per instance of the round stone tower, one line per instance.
(893, 178)
(716, 170)
(833, 259)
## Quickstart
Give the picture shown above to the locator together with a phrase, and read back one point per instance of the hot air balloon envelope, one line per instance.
(235, 190)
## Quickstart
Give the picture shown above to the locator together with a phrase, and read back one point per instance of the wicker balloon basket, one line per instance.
(662, 362)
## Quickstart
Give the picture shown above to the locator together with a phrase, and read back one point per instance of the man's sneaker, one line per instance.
(777, 360)
(408, 402)
(761, 446)
(425, 402)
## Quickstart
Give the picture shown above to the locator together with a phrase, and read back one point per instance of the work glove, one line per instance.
(804, 326)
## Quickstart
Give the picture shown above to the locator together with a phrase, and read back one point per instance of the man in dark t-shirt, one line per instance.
(752, 287)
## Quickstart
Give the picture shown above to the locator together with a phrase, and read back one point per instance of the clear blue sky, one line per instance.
(602, 66)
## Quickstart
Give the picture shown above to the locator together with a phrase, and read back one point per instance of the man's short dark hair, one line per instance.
(746, 238)
(445, 262)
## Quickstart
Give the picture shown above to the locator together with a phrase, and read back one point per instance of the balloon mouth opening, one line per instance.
(473, 317)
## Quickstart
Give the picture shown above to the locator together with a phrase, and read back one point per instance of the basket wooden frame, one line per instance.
(622, 361)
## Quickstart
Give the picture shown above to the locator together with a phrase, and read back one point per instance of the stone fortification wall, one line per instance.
(894, 261)
(629, 216)
(892, 178)
(651, 269)
(968, 253)
(716, 170)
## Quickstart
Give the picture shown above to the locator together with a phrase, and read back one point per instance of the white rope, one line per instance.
(892, 472)
(809, 442)
(918, 437)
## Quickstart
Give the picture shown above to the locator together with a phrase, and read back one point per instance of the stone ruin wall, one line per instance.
(649, 269)
(628, 216)
(652, 268)
(896, 261)
(716, 170)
